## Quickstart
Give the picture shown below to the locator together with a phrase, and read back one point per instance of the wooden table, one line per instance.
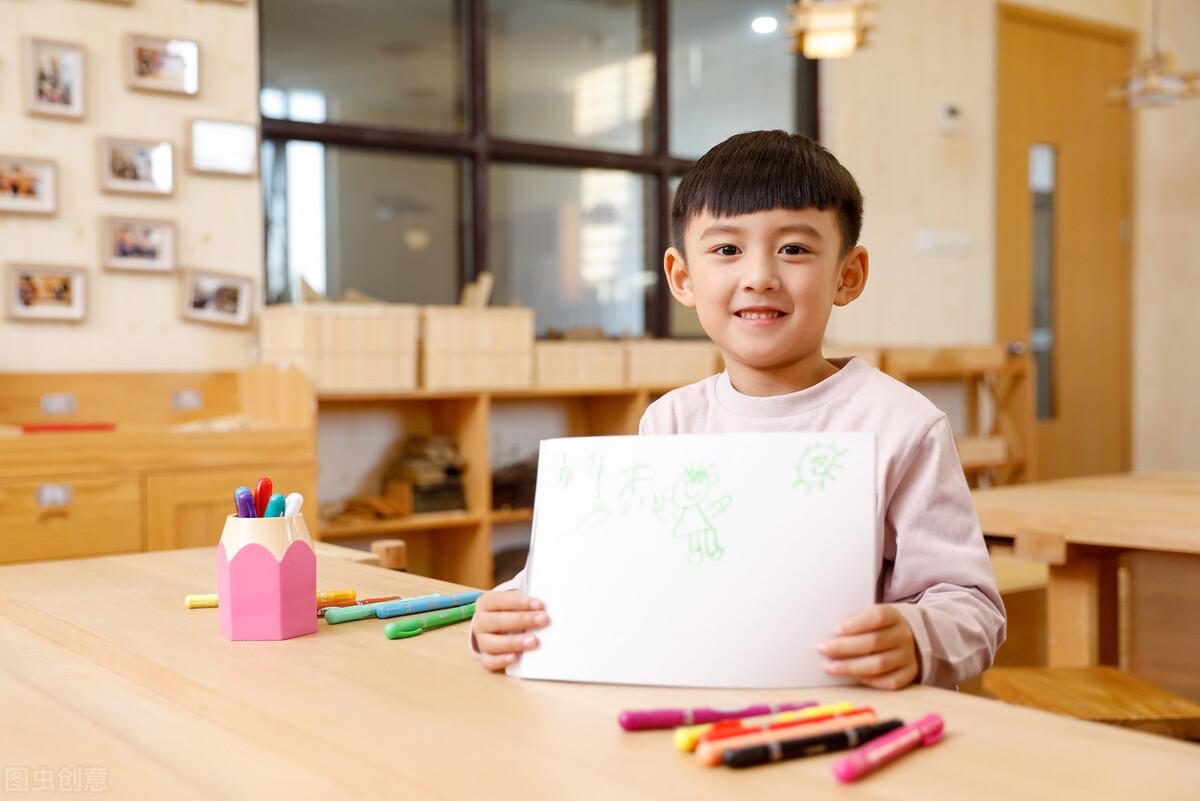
(102, 668)
(1080, 526)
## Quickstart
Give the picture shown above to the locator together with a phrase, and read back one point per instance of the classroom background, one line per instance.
(378, 250)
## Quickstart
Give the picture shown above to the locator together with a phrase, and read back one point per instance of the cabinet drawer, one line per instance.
(61, 518)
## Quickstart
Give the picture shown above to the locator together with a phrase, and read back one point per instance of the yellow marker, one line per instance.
(686, 737)
(323, 597)
(334, 596)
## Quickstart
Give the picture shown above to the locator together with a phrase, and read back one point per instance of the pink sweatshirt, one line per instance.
(934, 564)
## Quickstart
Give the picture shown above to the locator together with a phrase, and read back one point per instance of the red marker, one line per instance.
(262, 495)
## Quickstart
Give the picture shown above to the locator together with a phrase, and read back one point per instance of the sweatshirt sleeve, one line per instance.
(936, 568)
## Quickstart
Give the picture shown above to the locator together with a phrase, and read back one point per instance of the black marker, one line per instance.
(807, 746)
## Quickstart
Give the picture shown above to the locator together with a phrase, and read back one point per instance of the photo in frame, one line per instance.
(41, 292)
(28, 186)
(212, 297)
(55, 75)
(131, 243)
(217, 147)
(136, 166)
(163, 64)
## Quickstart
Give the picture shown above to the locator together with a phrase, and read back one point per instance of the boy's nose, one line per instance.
(760, 276)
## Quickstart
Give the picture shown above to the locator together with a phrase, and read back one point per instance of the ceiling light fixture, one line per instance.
(829, 28)
(1157, 81)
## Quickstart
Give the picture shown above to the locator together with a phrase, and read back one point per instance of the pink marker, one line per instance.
(636, 719)
(882, 750)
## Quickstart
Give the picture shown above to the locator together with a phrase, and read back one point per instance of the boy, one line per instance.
(766, 227)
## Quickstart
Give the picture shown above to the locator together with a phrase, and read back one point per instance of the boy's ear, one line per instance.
(678, 278)
(852, 276)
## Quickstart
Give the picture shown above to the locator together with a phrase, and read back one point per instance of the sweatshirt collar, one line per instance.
(850, 372)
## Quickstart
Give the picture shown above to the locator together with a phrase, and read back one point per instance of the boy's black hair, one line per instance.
(764, 170)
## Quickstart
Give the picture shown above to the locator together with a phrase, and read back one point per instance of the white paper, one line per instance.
(706, 560)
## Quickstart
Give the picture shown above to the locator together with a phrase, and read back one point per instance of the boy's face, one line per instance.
(763, 284)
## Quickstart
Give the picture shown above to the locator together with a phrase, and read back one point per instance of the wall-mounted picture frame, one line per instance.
(138, 244)
(219, 298)
(44, 292)
(136, 166)
(163, 64)
(55, 78)
(219, 147)
(28, 185)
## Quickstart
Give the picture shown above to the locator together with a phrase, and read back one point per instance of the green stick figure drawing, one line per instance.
(690, 505)
(817, 466)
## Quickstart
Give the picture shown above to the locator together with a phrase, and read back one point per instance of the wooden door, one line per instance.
(187, 508)
(1063, 240)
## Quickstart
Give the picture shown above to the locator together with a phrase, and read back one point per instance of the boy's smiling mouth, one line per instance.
(759, 314)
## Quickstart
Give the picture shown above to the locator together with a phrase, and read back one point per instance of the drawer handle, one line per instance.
(54, 496)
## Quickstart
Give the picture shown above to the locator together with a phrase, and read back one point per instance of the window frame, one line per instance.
(478, 148)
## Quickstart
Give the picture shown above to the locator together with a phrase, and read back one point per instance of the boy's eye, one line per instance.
(726, 250)
(795, 250)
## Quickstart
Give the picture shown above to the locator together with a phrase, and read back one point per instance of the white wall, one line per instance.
(914, 177)
(133, 320)
(1166, 370)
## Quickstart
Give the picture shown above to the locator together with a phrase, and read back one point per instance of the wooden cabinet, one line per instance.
(164, 478)
(66, 516)
(187, 508)
(457, 546)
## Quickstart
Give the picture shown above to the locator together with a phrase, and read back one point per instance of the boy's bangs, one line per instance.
(766, 170)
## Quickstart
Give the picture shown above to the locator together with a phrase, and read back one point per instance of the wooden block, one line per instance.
(477, 370)
(579, 364)
(393, 554)
(669, 363)
(496, 329)
(1040, 546)
(345, 347)
(1101, 694)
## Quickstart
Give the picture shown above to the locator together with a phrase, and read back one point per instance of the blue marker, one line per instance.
(414, 606)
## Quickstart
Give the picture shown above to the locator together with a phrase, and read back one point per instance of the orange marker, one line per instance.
(711, 752)
(321, 611)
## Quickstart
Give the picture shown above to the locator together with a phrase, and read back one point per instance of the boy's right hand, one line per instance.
(502, 625)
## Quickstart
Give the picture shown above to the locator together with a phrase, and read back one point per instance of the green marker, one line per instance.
(344, 614)
(412, 626)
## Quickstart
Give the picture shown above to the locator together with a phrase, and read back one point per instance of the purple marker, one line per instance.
(638, 719)
(244, 499)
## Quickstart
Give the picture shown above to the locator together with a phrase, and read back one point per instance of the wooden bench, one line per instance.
(1101, 694)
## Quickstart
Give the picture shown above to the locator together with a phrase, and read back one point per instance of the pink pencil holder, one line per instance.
(266, 578)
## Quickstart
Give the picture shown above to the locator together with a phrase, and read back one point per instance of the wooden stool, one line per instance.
(1101, 694)
(393, 554)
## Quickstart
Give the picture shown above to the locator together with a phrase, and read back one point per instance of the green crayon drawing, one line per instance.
(634, 481)
(691, 505)
(565, 474)
(818, 465)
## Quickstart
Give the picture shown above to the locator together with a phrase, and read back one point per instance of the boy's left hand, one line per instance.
(875, 648)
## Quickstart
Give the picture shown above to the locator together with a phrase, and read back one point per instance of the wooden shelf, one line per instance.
(525, 393)
(499, 516)
(425, 521)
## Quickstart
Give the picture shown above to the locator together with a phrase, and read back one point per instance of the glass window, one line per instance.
(1042, 170)
(342, 218)
(397, 63)
(571, 72)
(727, 76)
(572, 244)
